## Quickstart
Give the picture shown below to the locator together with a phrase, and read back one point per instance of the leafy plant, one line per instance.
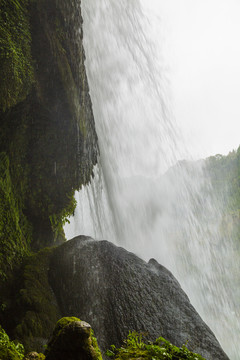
(10, 350)
(161, 349)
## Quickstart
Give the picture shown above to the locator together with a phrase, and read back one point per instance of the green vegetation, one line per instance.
(38, 311)
(225, 177)
(58, 330)
(134, 347)
(60, 219)
(62, 323)
(48, 147)
(10, 350)
(161, 349)
(38, 143)
(16, 70)
(15, 231)
(46, 125)
(95, 346)
(89, 344)
(13, 350)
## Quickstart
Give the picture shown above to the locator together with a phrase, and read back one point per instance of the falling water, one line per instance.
(138, 199)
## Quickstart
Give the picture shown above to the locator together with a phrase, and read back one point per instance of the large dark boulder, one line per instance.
(115, 291)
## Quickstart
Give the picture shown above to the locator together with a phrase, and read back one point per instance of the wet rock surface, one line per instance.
(117, 292)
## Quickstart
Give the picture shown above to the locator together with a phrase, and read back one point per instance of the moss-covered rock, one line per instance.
(48, 148)
(16, 66)
(33, 355)
(15, 231)
(72, 339)
(46, 123)
(37, 310)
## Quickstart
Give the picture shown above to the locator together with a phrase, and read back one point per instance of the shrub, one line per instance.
(10, 350)
(135, 348)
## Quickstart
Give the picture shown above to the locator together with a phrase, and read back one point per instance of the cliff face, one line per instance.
(48, 143)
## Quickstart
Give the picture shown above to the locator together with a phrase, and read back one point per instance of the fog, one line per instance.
(201, 51)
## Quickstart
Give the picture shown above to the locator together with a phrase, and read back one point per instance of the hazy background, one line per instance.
(200, 48)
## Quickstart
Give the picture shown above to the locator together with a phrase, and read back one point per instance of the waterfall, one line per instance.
(140, 198)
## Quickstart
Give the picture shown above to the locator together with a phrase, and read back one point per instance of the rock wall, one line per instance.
(48, 143)
(48, 148)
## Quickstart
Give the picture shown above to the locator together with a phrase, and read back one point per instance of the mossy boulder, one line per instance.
(72, 339)
(33, 355)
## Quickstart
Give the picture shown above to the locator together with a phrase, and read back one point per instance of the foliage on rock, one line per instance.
(10, 350)
(38, 310)
(95, 346)
(16, 70)
(135, 348)
(15, 231)
(47, 127)
(33, 355)
(48, 148)
(225, 176)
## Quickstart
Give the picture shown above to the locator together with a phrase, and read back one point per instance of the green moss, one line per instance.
(41, 356)
(161, 349)
(48, 147)
(58, 329)
(45, 136)
(60, 219)
(62, 323)
(15, 232)
(16, 70)
(89, 346)
(36, 302)
(95, 346)
(10, 350)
